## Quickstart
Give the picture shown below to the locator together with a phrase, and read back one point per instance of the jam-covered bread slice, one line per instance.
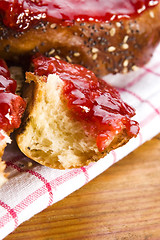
(104, 36)
(72, 117)
(11, 109)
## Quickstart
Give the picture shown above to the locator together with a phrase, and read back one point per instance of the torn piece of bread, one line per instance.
(72, 118)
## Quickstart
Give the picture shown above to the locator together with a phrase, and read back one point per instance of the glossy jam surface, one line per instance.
(91, 100)
(11, 105)
(21, 14)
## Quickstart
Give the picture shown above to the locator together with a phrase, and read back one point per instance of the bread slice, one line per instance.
(103, 47)
(51, 132)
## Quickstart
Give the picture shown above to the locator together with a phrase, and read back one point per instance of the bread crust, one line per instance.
(2, 174)
(3, 178)
(101, 47)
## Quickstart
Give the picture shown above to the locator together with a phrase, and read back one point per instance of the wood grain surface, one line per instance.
(123, 203)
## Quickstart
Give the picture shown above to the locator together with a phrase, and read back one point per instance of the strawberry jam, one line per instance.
(91, 100)
(11, 105)
(21, 14)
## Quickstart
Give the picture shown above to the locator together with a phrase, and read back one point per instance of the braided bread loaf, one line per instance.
(118, 45)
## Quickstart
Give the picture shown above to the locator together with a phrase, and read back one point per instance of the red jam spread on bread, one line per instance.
(11, 105)
(21, 14)
(91, 100)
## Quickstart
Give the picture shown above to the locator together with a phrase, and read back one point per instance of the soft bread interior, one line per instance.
(50, 135)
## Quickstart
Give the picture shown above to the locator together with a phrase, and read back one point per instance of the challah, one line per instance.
(104, 36)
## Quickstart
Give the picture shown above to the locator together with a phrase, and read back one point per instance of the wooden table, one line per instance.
(123, 203)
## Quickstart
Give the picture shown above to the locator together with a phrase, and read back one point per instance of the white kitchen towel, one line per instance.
(32, 188)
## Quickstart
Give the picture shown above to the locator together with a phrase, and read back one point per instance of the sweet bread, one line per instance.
(103, 36)
(72, 117)
(11, 109)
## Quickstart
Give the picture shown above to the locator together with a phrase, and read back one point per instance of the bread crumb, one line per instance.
(30, 164)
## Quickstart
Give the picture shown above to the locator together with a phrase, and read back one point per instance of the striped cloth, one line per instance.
(32, 188)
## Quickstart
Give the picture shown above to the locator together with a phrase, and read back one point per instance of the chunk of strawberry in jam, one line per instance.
(11, 105)
(21, 14)
(91, 100)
